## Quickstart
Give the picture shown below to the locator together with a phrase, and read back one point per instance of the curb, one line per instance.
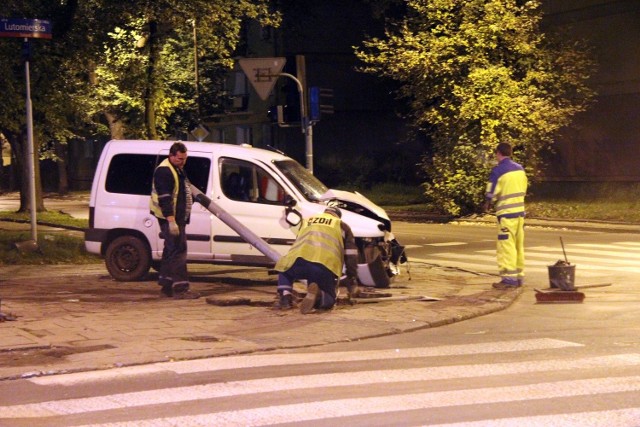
(97, 323)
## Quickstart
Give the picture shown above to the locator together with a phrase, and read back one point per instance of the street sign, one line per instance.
(200, 132)
(262, 73)
(28, 29)
(25, 28)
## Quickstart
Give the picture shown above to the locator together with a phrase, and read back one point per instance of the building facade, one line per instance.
(603, 144)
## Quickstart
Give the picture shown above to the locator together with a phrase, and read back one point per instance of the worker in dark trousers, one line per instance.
(323, 246)
(507, 188)
(171, 203)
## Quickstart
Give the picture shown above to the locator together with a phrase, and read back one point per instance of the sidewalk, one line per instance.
(76, 318)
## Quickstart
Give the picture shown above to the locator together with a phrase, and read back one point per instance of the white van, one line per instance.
(260, 188)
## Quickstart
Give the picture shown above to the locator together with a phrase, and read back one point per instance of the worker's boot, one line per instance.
(353, 289)
(285, 302)
(166, 291)
(309, 301)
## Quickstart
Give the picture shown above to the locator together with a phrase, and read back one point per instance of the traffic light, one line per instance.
(320, 102)
(284, 115)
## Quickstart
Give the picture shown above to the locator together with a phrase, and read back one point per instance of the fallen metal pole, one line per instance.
(244, 232)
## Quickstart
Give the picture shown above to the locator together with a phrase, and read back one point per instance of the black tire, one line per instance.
(128, 259)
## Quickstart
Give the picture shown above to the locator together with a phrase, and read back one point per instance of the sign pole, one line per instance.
(27, 29)
(307, 129)
(263, 73)
(30, 159)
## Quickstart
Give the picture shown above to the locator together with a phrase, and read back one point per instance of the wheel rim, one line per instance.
(126, 258)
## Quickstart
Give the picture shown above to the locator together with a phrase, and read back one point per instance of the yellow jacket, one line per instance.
(320, 241)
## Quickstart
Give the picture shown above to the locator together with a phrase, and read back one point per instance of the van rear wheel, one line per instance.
(128, 259)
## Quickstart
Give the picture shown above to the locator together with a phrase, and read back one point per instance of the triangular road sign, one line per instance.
(262, 73)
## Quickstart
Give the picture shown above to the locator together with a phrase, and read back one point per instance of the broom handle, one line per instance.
(565, 254)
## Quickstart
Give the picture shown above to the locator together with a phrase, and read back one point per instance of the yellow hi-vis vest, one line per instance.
(320, 241)
(154, 205)
(507, 187)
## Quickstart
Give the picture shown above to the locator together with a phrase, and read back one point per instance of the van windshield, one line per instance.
(310, 186)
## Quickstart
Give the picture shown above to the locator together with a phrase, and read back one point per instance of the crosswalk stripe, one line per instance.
(336, 408)
(573, 252)
(615, 257)
(621, 417)
(623, 245)
(343, 379)
(254, 361)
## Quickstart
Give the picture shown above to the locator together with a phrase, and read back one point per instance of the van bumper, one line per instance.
(93, 239)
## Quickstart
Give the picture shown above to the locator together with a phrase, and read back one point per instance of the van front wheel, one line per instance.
(127, 259)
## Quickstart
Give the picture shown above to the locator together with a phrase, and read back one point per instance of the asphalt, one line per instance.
(71, 318)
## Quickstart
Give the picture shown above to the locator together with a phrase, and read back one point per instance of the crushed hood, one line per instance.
(356, 202)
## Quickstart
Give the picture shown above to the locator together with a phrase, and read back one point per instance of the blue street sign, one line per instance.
(25, 28)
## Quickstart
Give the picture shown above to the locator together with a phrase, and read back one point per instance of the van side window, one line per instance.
(130, 174)
(133, 173)
(246, 182)
(198, 169)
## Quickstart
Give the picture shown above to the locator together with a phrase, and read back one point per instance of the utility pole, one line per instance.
(263, 73)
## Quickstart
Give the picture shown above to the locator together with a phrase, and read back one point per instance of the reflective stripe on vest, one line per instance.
(512, 188)
(507, 187)
(319, 241)
(154, 205)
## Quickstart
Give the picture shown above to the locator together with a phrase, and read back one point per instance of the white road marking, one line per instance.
(621, 417)
(622, 256)
(297, 382)
(372, 405)
(616, 257)
(254, 361)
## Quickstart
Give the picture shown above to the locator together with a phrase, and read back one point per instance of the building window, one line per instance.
(239, 92)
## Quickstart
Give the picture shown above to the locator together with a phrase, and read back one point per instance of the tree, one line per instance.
(475, 73)
(145, 82)
(53, 107)
(129, 62)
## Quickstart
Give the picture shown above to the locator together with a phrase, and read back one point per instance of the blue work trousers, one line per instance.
(173, 267)
(312, 272)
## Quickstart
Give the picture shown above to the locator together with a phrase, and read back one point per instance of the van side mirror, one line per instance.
(292, 216)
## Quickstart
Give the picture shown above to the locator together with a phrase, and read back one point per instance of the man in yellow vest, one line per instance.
(323, 244)
(507, 188)
(171, 203)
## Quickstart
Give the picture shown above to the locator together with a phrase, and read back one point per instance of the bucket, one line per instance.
(562, 277)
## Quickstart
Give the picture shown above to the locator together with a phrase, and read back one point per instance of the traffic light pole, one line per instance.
(306, 125)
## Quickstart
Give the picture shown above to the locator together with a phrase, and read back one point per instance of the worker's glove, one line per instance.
(173, 229)
(486, 207)
(352, 287)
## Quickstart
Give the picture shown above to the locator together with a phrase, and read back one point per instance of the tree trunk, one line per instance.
(17, 160)
(9, 170)
(116, 127)
(150, 92)
(22, 148)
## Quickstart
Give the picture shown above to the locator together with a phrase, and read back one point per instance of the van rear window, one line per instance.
(133, 173)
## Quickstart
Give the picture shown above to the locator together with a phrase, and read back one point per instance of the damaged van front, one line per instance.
(369, 222)
(266, 191)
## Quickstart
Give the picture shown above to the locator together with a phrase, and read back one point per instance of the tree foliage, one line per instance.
(146, 77)
(119, 68)
(475, 73)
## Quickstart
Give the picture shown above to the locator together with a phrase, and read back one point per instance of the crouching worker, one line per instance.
(323, 244)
